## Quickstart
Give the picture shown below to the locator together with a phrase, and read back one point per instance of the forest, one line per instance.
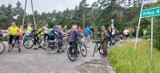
(101, 12)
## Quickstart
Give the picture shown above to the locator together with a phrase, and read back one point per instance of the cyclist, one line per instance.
(73, 36)
(126, 33)
(13, 32)
(92, 35)
(60, 34)
(20, 33)
(29, 29)
(65, 28)
(104, 40)
(91, 28)
(114, 32)
(88, 32)
(53, 33)
(45, 31)
(37, 35)
(80, 30)
(28, 32)
(110, 35)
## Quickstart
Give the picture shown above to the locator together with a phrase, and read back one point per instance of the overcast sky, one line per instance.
(46, 5)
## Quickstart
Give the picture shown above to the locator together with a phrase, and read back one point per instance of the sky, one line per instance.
(46, 5)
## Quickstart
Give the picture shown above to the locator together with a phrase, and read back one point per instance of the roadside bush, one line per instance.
(5, 38)
(157, 36)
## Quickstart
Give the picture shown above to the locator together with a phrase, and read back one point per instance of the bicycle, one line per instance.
(87, 41)
(28, 43)
(52, 46)
(28, 40)
(73, 50)
(97, 47)
(2, 46)
(65, 43)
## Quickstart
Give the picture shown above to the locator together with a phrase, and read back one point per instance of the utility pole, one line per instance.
(84, 19)
(33, 15)
(24, 15)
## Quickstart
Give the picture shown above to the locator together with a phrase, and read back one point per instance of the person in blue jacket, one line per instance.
(88, 31)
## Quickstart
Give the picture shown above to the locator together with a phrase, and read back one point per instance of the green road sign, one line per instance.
(150, 12)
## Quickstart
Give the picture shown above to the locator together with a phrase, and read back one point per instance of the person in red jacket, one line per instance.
(80, 30)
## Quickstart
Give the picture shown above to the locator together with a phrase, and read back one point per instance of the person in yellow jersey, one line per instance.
(13, 32)
(29, 29)
(28, 32)
(37, 35)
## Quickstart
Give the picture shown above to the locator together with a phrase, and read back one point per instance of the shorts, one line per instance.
(12, 37)
(60, 43)
(126, 36)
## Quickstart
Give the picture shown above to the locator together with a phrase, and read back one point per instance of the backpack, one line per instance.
(52, 35)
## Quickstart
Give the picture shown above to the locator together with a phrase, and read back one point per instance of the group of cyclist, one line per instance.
(56, 33)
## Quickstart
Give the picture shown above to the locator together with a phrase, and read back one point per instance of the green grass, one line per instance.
(124, 59)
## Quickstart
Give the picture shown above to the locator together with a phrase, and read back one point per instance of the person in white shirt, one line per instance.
(126, 33)
(45, 31)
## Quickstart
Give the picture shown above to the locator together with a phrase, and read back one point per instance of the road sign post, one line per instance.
(151, 52)
(151, 13)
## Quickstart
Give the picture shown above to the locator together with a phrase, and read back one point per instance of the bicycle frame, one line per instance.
(97, 47)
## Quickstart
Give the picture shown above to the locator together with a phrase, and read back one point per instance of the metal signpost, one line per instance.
(151, 13)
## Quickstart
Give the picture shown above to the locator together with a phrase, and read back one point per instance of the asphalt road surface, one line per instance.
(39, 61)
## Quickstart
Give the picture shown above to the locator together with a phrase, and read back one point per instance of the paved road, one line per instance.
(39, 61)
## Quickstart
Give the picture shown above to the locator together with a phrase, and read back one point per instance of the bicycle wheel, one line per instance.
(87, 42)
(28, 43)
(83, 50)
(44, 45)
(95, 49)
(100, 50)
(95, 38)
(71, 54)
(52, 48)
(2, 47)
(65, 45)
(41, 42)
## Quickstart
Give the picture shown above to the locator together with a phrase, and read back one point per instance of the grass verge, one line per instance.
(124, 59)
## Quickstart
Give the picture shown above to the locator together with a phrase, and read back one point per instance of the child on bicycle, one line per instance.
(37, 35)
